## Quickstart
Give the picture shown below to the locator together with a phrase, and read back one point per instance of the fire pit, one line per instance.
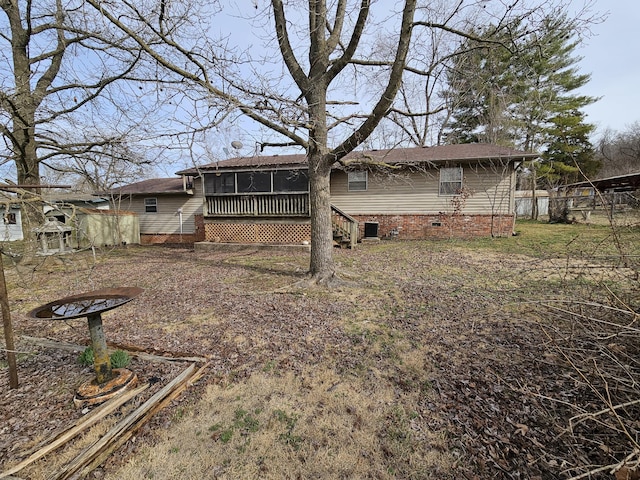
(108, 382)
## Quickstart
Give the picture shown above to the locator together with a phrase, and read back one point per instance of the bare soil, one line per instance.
(431, 361)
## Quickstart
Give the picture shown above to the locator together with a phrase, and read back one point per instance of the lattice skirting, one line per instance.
(257, 233)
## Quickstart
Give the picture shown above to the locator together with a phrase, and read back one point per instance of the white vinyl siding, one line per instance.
(398, 193)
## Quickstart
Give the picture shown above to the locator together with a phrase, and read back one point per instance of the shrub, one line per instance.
(119, 358)
(86, 357)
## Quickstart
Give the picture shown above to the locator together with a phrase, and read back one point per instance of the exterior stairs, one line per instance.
(345, 229)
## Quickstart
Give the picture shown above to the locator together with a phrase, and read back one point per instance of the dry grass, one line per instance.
(317, 424)
(434, 360)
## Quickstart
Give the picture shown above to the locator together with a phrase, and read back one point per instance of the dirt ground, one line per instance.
(430, 361)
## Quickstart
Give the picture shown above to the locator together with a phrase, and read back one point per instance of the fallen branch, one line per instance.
(82, 424)
(124, 429)
(614, 467)
(117, 443)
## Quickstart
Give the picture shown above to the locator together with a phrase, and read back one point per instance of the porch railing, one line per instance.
(259, 205)
(345, 228)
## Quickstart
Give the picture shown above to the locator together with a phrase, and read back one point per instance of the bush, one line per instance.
(119, 358)
(86, 357)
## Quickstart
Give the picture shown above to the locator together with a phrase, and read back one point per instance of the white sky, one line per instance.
(612, 57)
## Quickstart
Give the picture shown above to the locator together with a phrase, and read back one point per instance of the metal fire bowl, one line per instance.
(85, 304)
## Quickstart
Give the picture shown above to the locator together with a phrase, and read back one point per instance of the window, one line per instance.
(10, 219)
(290, 181)
(219, 183)
(224, 183)
(279, 181)
(450, 180)
(357, 181)
(150, 205)
(254, 182)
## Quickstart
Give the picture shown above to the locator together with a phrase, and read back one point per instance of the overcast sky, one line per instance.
(612, 57)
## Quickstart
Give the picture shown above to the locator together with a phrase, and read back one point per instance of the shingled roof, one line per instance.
(466, 152)
(156, 186)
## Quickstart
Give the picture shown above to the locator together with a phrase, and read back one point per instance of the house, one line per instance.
(11, 222)
(65, 201)
(84, 213)
(464, 190)
(168, 209)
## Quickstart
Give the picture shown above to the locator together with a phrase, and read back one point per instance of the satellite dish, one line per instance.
(236, 144)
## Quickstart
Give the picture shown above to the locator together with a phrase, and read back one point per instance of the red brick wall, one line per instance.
(413, 227)
(200, 231)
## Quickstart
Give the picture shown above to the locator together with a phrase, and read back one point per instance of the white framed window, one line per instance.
(357, 181)
(150, 205)
(450, 181)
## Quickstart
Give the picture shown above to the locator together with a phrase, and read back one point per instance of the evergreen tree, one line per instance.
(569, 156)
(521, 93)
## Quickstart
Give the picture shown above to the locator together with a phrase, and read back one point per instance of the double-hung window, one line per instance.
(150, 205)
(357, 181)
(450, 181)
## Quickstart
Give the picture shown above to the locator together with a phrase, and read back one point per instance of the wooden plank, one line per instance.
(129, 424)
(81, 425)
(122, 439)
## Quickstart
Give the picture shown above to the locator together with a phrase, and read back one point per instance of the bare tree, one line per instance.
(307, 95)
(619, 152)
(60, 66)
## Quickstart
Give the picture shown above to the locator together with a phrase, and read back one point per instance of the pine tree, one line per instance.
(520, 94)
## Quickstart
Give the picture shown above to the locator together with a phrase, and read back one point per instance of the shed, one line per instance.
(99, 227)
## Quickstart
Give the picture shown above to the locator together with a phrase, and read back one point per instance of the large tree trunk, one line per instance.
(321, 267)
(24, 103)
(28, 173)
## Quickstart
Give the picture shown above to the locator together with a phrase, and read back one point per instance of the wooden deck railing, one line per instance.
(345, 227)
(259, 205)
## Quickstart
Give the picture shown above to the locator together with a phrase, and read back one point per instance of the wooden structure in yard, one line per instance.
(606, 194)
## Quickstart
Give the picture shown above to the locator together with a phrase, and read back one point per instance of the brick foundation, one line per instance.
(414, 227)
(159, 238)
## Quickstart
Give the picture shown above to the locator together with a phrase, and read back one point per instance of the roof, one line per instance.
(156, 186)
(464, 152)
(620, 183)
(58, 197)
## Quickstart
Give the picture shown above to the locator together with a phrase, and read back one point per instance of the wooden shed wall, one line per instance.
(490, 190)
(107, 227)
